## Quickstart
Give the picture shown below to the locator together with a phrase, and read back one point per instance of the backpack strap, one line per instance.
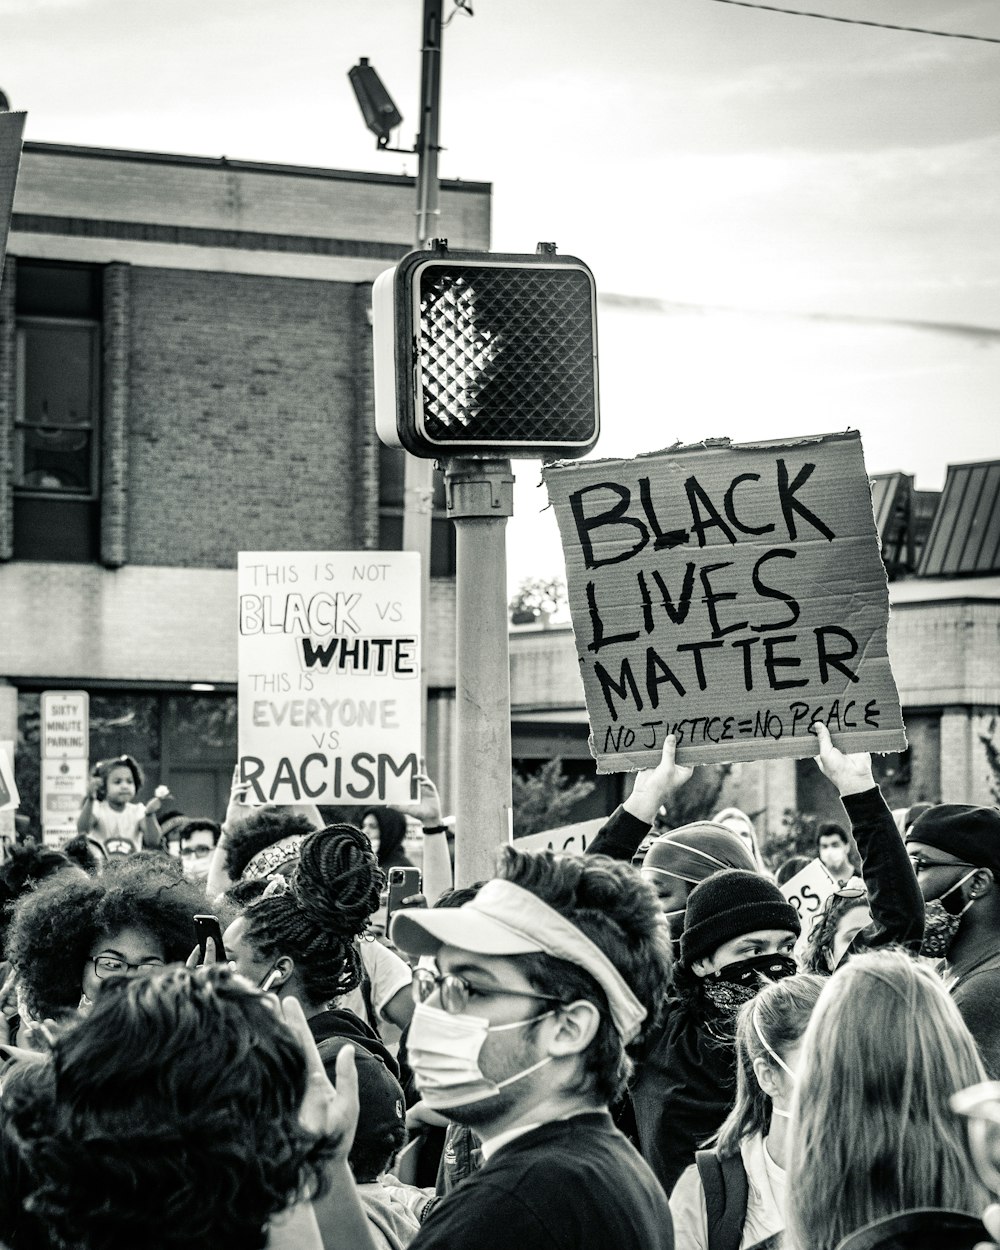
(727, 1192)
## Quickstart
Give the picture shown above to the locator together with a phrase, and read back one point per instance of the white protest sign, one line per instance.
(7, 826)
(807, 892)
(9, 796)
(329, 676)
(570, 839)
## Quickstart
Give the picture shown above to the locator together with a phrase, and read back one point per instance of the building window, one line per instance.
(56, 418)
(392, 461)
(56, 412)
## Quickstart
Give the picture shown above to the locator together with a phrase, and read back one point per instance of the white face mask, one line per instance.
(777, 1059)
(443, 1051)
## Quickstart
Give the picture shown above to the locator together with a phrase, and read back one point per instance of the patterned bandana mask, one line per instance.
(740, 982)
(941, 925)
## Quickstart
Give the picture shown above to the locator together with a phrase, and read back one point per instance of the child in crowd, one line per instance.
(114, 824)
(737, 1190)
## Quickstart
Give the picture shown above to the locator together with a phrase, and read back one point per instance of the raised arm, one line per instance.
(897, 905)
(625, 828)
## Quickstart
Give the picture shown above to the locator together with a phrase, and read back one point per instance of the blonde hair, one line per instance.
(873, 1134)
(780, 1012)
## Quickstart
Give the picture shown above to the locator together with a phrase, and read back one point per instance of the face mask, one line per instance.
(726, 998)
(738, 983)
(941, 925)
(748, 972)
(196, 870)
(443, 1051)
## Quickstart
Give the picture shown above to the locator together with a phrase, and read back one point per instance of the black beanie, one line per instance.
(971, 834)
(729, 904)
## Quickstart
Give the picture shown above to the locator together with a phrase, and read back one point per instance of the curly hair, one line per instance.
(819, 943)
(54, 928)
(333, 890)
(104, 768)
(168, 1119)
(263, 828)
(618, 911)
(27, 865)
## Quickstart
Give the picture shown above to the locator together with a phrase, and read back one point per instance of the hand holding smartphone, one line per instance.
(206, 927)
(402, 883)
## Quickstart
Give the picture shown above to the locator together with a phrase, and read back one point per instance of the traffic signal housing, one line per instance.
(481, 353)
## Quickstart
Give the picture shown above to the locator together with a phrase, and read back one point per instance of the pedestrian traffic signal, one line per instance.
(482, 353)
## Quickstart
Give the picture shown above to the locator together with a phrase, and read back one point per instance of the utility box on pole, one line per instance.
(486, 354)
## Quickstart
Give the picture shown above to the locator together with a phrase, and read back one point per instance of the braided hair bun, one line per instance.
(337, 880)
(333, 890)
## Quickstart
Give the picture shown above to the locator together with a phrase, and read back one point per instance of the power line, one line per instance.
(858, 21)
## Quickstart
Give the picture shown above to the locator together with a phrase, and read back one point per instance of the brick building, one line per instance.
(185, 372)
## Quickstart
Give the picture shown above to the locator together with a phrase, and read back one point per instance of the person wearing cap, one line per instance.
(543, 981)
(678, 861)
(955, 852)
(738, 935)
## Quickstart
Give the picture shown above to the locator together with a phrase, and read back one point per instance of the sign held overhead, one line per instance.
(730, 595)
(329, 676)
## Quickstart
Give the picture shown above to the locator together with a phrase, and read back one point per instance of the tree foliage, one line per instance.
(545, 799)
(537, 597)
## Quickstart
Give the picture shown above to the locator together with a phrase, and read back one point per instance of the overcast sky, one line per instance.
(776, 199)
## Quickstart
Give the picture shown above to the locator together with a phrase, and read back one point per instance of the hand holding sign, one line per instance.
(730, 596)
(653, 786)
(851, 774)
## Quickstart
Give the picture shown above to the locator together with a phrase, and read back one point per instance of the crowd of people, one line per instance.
(641, 1047)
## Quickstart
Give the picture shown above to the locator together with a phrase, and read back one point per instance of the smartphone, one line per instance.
(206, 927)
(402, 883)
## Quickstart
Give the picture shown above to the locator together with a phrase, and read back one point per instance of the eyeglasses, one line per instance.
(112, 966)
(199, 852)
(920, 864)
(980, 1105)
(851, 891)
(456, 991)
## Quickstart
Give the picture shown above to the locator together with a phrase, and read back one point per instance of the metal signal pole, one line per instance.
(418, 474)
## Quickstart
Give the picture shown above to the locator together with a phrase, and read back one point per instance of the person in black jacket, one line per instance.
(955, 852)
(386, 830)
(738, 935)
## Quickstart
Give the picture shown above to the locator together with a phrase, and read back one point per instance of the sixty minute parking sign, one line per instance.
(65, 743)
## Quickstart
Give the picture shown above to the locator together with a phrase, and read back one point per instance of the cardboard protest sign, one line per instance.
(329, 676)
(11, 134)
(731, 595)
(570, 839)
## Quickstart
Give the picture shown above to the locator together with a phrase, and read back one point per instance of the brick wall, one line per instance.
(243, 427)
